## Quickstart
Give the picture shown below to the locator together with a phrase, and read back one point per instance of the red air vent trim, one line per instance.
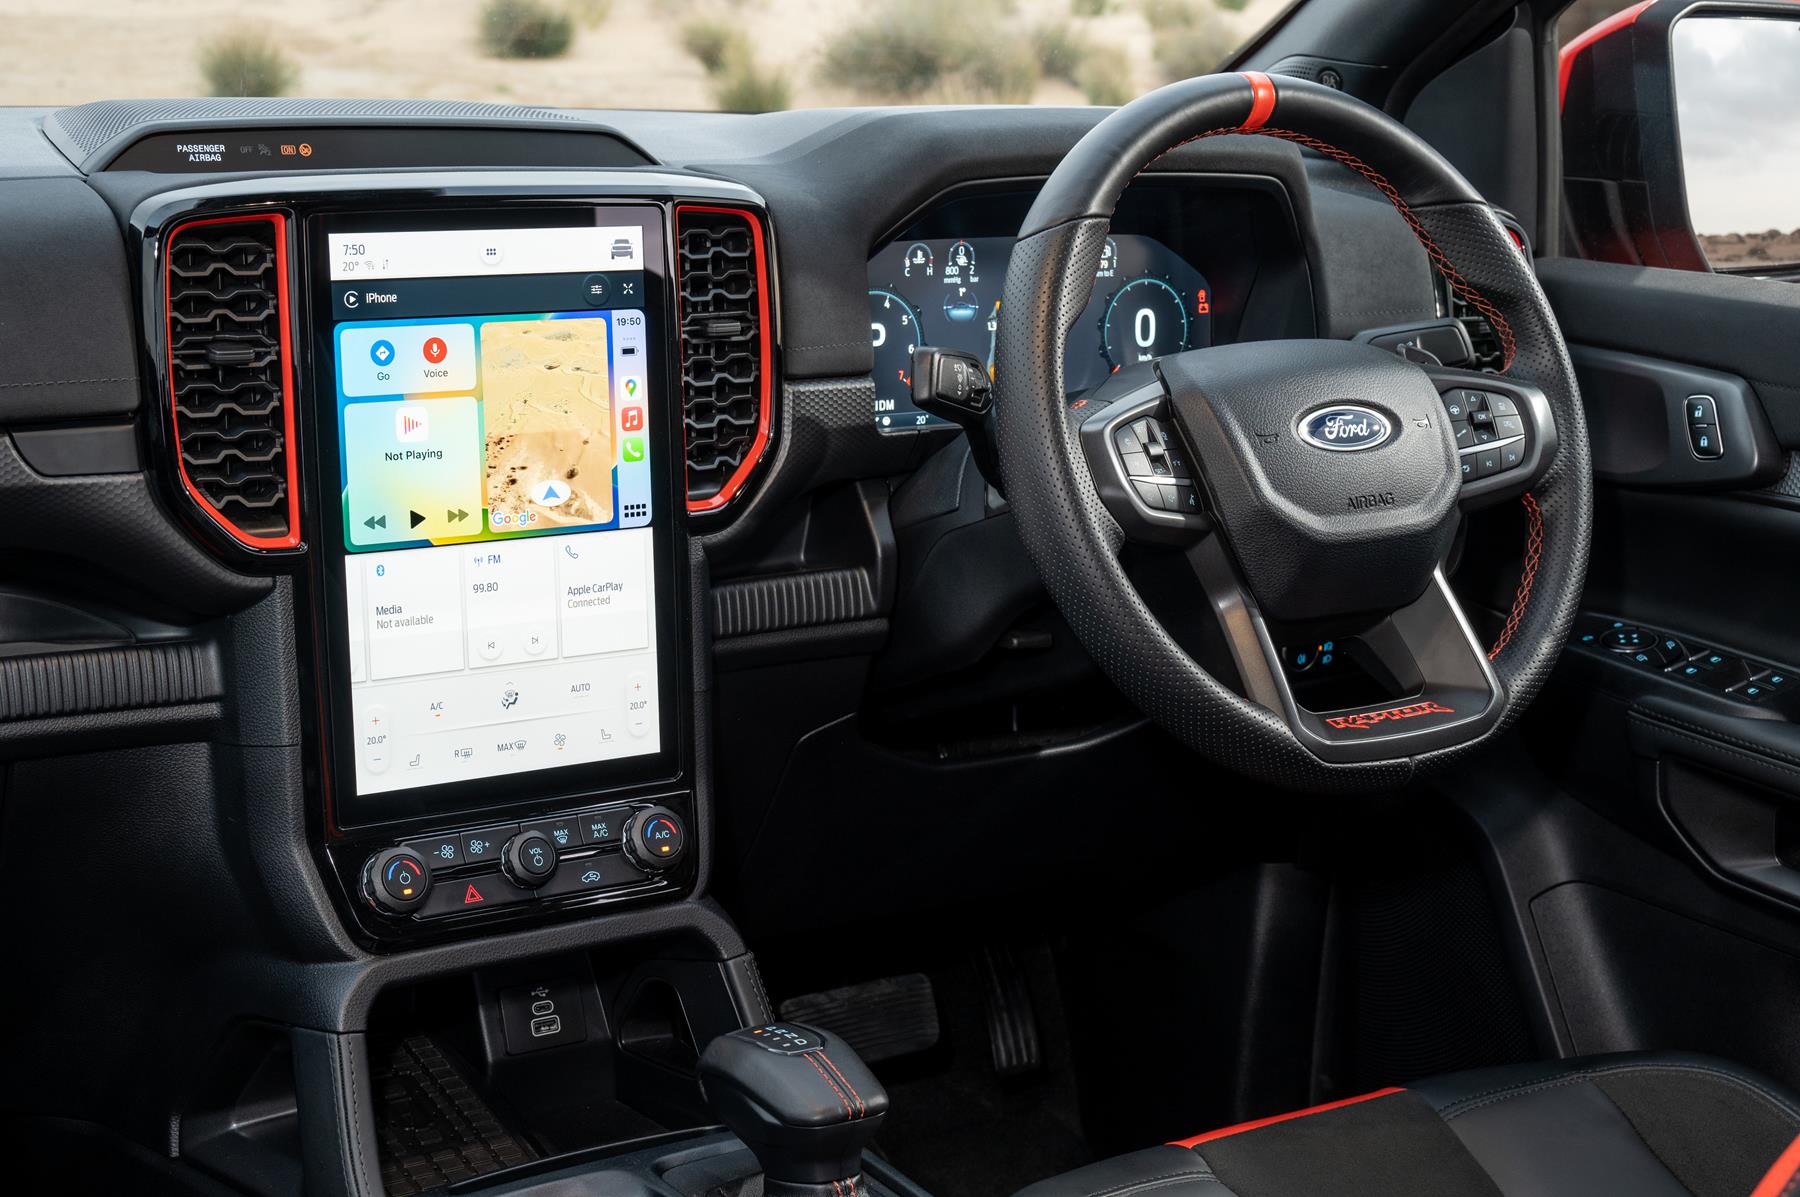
(766, 354)
(251, 540)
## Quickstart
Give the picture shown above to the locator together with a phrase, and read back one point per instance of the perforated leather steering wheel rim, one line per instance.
(1074, 540)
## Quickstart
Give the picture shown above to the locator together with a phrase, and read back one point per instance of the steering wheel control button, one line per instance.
(655, 838)
(484, 891)
(397, 881)
(603, 827)
(440, 852)
(483, 847)
(587, 874)
(529, 858)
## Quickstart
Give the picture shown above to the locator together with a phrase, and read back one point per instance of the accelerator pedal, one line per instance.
(1011, 1016)
(882, 1020)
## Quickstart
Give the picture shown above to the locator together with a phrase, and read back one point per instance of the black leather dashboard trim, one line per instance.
(67, 342)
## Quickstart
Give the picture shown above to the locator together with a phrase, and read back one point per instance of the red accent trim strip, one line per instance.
(1781, 1178)
(1262, 101)
(289, 443)
(765, 333)
(1565, 61)
(1241, 1127)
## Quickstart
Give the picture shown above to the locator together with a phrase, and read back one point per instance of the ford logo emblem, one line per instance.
(1344, 428)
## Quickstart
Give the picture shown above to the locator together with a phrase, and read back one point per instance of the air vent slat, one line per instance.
(228, 377)
(722, 272)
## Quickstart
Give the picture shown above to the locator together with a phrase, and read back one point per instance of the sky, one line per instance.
(1737, 98)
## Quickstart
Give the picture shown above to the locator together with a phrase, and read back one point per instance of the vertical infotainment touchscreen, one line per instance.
(496, 441)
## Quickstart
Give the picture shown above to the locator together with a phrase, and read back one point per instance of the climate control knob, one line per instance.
(655, 838)
(396, 881)
(529, 858)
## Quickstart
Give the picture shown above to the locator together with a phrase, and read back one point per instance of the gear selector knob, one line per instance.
(800, 1099)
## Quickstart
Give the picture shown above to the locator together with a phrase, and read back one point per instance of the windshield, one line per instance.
(729, 55)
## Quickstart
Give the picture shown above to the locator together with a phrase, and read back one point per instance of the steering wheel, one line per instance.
(1327, 478)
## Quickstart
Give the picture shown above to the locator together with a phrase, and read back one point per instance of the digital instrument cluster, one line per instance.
(1147, 302)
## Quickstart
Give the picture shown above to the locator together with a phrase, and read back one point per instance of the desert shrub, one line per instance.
(713, 44)
(590, 13)
(903, 54)
(1105, 79)
(1059, 52)
(745, 87)
(525, 29)
(1188, 39)
(246, 62)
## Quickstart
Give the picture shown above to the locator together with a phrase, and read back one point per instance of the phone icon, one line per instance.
(632, 449)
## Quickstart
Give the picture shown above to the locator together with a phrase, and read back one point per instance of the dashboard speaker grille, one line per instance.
(726, 349)
(231, 375)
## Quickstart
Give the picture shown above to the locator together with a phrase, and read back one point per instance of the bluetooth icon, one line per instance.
(382, 353)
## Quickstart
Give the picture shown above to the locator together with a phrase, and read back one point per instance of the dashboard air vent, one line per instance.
(727, 354)
(231, 375)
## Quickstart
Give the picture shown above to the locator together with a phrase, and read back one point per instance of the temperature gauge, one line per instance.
(919, 261)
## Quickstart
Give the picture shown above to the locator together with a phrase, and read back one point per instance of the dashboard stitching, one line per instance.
(65, 382)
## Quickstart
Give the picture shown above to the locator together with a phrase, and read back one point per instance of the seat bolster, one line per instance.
(1156, 1172)
(1458, 1092)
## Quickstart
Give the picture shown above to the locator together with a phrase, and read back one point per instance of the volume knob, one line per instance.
(529, 858)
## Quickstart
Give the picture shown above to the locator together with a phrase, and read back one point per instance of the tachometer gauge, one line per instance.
(894, 330)
(1145, 319)
(919, 261)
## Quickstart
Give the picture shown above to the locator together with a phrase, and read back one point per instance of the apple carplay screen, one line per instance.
(502, 595)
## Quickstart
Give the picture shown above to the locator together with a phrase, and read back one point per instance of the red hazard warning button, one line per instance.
(472, 893)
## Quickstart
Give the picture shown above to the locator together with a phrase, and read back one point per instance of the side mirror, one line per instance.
(1680, 129)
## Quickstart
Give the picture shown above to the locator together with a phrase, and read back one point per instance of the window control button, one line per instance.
(1753, 692)
(1730, 672)
(1776, 679)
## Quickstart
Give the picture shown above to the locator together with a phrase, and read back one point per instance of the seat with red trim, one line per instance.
(1634, 1125)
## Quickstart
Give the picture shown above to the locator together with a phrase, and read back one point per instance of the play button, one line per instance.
(416, 518)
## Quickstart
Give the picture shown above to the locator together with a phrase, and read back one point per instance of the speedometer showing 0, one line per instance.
(1145, 319)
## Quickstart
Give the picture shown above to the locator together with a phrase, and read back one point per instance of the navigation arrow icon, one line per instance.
(417, 519)
(458, 514)
(375, 521)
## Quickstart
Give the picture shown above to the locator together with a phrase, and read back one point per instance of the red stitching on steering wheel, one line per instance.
(1534, 553)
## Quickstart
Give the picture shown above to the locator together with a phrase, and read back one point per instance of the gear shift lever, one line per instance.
(801, 1100)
